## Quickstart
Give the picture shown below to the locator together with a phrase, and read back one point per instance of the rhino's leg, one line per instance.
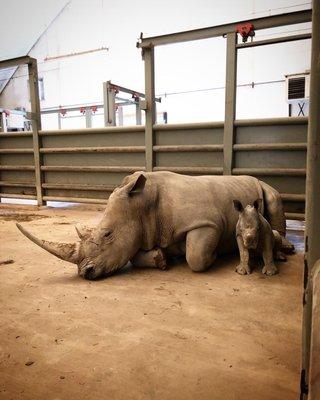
(275, 214)
(201, 247)
(154, 258)
(267, 255)
(277, 253)
(243, 268)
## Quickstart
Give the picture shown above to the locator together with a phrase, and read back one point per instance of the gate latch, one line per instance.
(246, 30)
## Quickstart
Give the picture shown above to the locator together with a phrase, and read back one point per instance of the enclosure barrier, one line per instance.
(85, 165)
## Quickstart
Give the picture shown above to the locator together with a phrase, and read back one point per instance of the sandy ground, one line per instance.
(142, 334)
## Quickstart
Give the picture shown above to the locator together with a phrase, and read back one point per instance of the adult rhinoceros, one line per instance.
(151, 216)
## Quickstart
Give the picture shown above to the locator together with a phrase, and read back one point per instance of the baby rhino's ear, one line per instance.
(257, 204)
(237, 205)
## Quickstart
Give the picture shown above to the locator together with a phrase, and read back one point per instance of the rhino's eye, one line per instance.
(108, 234)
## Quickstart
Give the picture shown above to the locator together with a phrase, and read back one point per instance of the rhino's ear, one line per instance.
(237, 205)
(257, 204)
(136, 185)
(83, 231)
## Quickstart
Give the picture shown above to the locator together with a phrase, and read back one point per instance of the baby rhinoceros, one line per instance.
(255, 236)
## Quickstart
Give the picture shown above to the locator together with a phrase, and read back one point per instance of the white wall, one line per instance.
(197, 65)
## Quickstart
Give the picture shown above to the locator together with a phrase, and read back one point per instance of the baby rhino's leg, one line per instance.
(267, 254)
(154, 258)
(277, 253)
(243, 268)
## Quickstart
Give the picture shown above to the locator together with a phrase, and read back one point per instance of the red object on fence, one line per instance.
(246, 30)
(63, 111)
(6, 113)
(82, 110)
(94, 109)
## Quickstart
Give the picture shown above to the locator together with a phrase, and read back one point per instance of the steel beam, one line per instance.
(220, 30)
(148, 56)
(312, 238)
(283, 39)
(230, 103)
(14, 62)
(109, 96)
(36, 126)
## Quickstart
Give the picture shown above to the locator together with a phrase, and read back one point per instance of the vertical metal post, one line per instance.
(59, 120)
(230, 103)
(88, 116)
(312, 238)
(36, 125)
(138, 114)
(120, 115)
(148, 56)
(109, 103)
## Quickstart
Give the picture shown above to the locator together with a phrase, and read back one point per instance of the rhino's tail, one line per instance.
(274, 213)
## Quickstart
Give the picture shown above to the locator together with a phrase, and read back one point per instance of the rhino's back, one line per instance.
(187, 201)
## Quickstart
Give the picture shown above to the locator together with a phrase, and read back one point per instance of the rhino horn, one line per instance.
(64, 251)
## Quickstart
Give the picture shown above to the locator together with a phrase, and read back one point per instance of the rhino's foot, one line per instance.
(160, 259)
(243, 269)
(286, 246)
(269, 270)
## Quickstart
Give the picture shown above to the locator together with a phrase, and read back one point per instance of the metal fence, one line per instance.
(84, 165)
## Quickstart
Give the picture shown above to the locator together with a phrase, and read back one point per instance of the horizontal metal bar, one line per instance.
(273, 21)
(75, 200)
(295, 216)
(272, 121)
(270, 171)
(17, 184)
(188, 148)
(72, 186)
(15, 134)
(16, 151)
(293, 197)
(14, 62)
(17, 167)
(90, 131)
(112, 149)
(282, 39)
(68, 168)
(192, 170)
(130, 91)
(270, 146)
(18, 196)
(188, 126)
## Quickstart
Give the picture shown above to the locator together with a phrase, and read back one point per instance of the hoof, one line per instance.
(160, 260)
(269, 270)
(286, 246)
(243, 269)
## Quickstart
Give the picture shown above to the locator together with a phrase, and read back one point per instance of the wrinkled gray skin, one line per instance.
(255, 237)
(152, 216)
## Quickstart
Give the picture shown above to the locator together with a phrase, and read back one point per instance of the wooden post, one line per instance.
(148, 56)
(36, 125)
(230, 103)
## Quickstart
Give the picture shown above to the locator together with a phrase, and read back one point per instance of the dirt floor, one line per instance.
(142, 334)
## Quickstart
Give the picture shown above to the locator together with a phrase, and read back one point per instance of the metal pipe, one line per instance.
(16, 151)
(295, 216)
(18, 196)
(71, 186)
(90, 131)
(270, 146)
(75, 199)
(17, 184)
(188, 126)
(192, 170)
(269, 171)
(17, 167)
(272, 121)
(293, 197)
(111, 149)
(282, 39)
(187, 148)
(273, 21)
(68, 168)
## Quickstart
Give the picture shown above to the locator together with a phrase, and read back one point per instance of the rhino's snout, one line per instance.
(88, 272)
(250, 240)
